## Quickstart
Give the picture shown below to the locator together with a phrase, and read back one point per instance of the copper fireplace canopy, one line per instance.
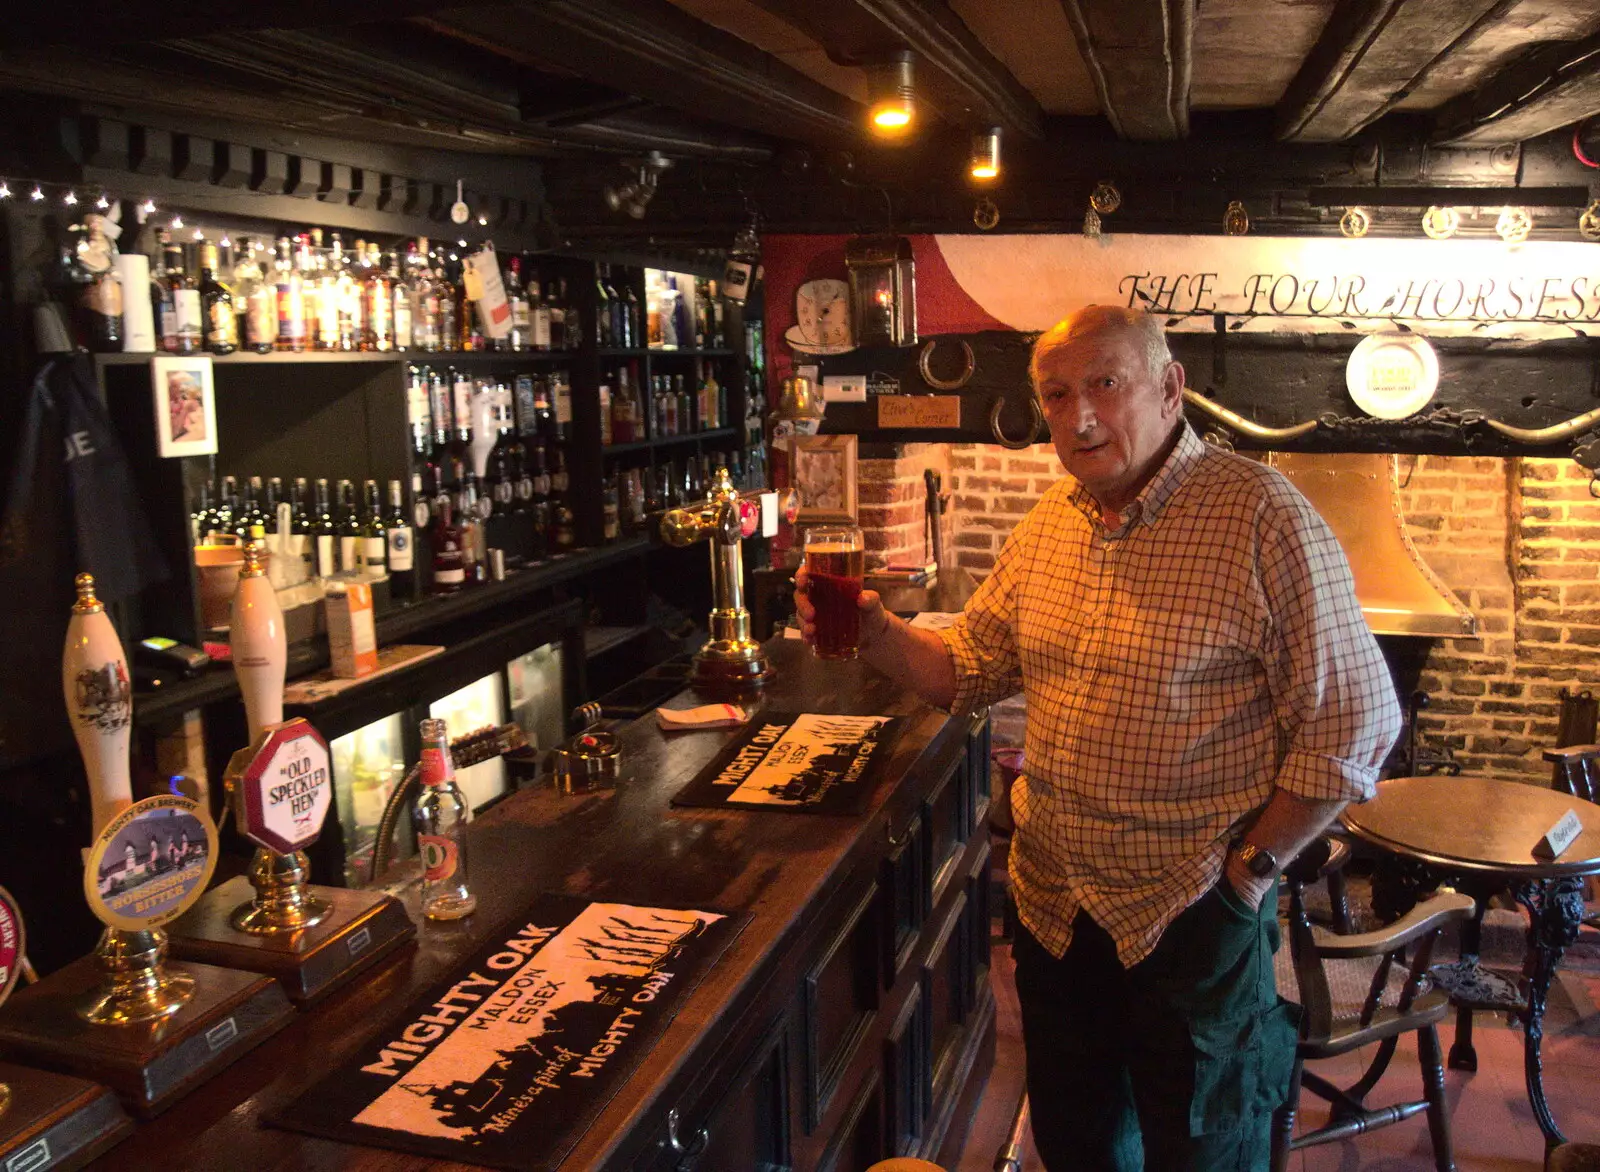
(1358, 494)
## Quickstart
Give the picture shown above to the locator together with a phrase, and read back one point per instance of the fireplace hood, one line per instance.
(1358, 494)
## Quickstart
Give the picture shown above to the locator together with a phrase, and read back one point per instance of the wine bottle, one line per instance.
(374, 534)
(323, 534)
(401, 552)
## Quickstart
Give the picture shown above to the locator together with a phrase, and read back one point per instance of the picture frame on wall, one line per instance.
(822, 469)
(184, 398)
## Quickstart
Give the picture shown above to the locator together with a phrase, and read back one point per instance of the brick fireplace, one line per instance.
(1517, 540)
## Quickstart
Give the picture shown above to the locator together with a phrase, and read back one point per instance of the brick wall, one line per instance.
(1518, 541)
(893, 500)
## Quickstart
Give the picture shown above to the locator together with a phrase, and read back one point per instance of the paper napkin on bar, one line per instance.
(705, 716)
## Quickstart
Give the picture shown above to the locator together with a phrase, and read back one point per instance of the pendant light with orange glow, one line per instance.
(891, 96)
(985, 163)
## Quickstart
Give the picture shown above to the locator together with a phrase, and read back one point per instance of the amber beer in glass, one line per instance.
(834, 566)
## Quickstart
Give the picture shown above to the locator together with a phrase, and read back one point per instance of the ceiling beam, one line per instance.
(656, 51)
(1140, 54)
(98, 23)
(960, 78)
(1549, 87)
(1373, 54)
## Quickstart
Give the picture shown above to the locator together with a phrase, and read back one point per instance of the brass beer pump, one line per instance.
(731, 662)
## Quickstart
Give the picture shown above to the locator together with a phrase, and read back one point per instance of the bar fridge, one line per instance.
(372, 727)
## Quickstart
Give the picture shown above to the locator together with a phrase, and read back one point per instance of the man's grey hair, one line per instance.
(1103, 319)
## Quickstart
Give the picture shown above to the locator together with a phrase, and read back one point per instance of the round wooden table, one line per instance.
(1479, 835)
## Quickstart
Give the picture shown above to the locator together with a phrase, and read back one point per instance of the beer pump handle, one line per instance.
(99, 697)
(256, 637)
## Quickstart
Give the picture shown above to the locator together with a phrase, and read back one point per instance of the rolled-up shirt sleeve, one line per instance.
(1333, 699)
(982, 643)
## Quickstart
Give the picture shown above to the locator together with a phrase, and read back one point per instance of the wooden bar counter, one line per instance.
(850, 1020)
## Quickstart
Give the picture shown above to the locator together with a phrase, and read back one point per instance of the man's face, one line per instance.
(1110, 418)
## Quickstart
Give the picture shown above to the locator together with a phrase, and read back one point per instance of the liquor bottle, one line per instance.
(271, 501)
(622, 411)
(572, 323)
(300, 546)
(539, 502)
(400, 554)
(630, 315)
(635, 518)
(449, 561)
(371, 551)
(500, 482)
(378, 330)
(711, 408)
(344, 292)
(702, 315)
(220, 328)
(539, 310)
(603, 321)
(324, 538)
(289, 285)
(349, 529)
(719, 333)
(440, 816)
(520, 337)
(424, 298)
(356, 266)
(469, 334)
(460, 409)
(419, 412)
(400, 308)
(322, 311)
(186, 301)
(610, 508)
(555, 299)
(521, 477)
(561, 405)
(444, 289)
(162, 304)
(563, 529)
(254, 301)
(249, 513)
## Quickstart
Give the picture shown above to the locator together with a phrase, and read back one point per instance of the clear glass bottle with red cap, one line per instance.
(440, 815)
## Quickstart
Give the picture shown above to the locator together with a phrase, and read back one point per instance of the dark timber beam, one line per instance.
(1371, 55)
(97, 23)
(1140, 54)
(956, 74)
(1549, 87)
(658, 52)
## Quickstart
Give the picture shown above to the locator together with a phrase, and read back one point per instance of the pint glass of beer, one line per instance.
(834, 564)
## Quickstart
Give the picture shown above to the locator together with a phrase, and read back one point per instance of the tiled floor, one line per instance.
(1493, 1124)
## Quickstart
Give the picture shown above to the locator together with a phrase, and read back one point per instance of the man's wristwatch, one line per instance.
(1258, 860)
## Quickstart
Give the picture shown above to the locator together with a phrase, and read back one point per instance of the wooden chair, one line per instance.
(1325, 1034)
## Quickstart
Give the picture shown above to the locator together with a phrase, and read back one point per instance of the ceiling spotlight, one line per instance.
(1440, 223)
(1514, 225)
(985, 164)
(633, 197)
(148, 207)
(70, 198)
(199, 234)
(102, 203)
(36, 194)
(177, 222)
(5, 189)
(891, 95)
(483, 221)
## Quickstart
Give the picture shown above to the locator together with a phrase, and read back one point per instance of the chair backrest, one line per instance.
(1575, 770)
(1316, 1001)
(1576, 725)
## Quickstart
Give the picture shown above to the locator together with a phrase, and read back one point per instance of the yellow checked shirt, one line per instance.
(1175, 671)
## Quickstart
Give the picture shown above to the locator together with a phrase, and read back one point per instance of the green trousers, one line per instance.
(1173, 1065)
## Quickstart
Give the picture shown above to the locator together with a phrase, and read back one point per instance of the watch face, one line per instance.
(1258, 862)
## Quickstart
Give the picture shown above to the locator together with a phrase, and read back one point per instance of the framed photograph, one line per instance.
(185, 404)
(822, 469)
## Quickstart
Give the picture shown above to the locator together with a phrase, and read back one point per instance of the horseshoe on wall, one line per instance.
(943, 384)
(1036, 421)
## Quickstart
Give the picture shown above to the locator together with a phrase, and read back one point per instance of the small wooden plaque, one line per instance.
(362, 928)
(919, 411)
(153, 1064)
(56, 1122)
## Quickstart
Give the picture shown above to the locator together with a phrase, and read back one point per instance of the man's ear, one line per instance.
(1172, 384)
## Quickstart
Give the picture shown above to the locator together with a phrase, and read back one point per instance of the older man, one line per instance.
(1203, 696)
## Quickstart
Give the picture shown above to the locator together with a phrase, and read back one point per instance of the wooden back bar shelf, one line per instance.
(850, 1020)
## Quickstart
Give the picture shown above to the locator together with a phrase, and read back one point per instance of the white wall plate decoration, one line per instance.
(1392, 375)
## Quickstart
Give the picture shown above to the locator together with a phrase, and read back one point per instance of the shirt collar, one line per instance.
(1174, 470)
